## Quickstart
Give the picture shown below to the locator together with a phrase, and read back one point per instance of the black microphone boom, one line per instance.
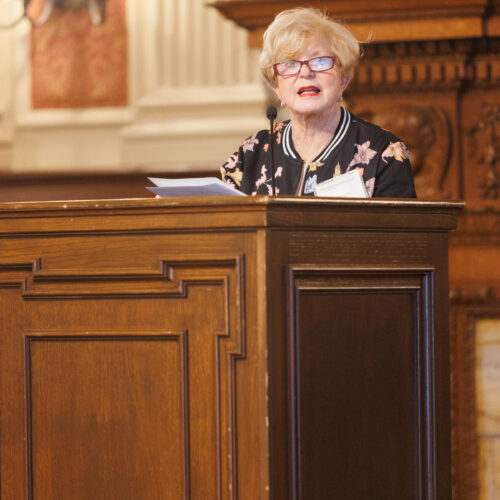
(271, 114)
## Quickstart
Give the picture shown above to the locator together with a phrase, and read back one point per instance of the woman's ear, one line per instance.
(344, 81)
(275, 90)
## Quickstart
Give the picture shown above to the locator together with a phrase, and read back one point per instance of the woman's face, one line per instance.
(308, 93)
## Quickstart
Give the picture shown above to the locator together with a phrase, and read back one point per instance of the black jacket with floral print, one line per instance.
(380, 156)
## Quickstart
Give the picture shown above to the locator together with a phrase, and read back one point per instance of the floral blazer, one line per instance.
(383, 160)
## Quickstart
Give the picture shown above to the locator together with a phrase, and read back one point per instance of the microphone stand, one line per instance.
(271, 115)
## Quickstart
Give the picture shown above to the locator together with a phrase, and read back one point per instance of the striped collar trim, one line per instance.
(345, 121)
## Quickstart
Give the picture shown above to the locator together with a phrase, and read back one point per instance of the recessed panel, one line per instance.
(106, 418)
(356, 389)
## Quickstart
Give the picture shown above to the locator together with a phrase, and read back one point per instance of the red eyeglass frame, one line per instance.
(306, 62)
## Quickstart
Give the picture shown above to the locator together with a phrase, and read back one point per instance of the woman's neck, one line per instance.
(311, 134)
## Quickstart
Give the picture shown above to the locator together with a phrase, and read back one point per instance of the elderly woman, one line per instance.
(308, 60)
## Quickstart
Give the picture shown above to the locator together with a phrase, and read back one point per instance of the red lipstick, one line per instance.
(310, 90)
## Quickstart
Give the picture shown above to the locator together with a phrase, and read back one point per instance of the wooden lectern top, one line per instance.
(237, 212)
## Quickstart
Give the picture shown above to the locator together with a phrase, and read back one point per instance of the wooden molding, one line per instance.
(392, 20)
(315, 283)
(428, 65)
(465, 313)
(181, 348)
(474, 295)
(465, 481)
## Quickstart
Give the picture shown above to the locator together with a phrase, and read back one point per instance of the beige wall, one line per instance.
(194, 94)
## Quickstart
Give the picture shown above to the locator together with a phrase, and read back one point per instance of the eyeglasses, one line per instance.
(316, 64)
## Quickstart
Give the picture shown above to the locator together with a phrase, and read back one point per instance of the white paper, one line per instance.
(348, 185)
(196, 186)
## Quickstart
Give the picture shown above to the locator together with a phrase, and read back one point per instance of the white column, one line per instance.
(209, 94)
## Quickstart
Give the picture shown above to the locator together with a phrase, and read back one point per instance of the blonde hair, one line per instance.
(287, 35)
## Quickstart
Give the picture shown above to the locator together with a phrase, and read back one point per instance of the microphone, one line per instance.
(271, 114)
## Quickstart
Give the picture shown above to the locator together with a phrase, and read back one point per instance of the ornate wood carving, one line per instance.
(425, 93)
(484, 139)
(428, 65)
(427, 132)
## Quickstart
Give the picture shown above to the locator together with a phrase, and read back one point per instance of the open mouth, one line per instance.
(308, 91)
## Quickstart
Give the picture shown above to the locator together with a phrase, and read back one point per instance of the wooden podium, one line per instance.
(233, 348)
